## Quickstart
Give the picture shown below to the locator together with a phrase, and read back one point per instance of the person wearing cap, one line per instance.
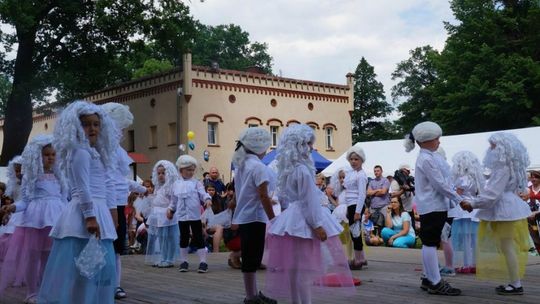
(503, 239)
(253, 205)
(405, 190)
(122, 118)
(355, 184)
(188, 195)
(434, 196)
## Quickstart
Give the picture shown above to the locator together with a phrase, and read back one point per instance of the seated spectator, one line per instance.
(131, 221)
(214, 224)
(398, 231)
(368, 230)
(218, 204)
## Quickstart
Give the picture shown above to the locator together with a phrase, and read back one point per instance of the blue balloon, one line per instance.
(191, 145)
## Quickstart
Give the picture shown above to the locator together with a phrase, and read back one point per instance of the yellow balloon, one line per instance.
(190, 135)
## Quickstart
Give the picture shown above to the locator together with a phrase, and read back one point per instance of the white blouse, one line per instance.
(498, 200)
(122, 185)
(470, 191)
(188, 196)
(355, 184)
(91, 191)
(305, 212)
(160, 203)
(45, 205)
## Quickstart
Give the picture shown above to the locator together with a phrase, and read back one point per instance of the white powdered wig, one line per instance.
(251, 141)
(294, 149)
(509, 151)
(185, 161)
(171, 175)
(334, 182)
(13, 181)
(119, 113)
(465, 163)
(422, 132)
(32, 164)
(356, 150)
(69, 134)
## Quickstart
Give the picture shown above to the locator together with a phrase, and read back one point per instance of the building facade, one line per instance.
(216, 104)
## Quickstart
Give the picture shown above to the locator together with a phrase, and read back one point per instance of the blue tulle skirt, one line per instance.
(62, 283)
(163, 245)
(464, 236)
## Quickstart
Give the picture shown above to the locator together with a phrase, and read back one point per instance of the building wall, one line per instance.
(232, 99)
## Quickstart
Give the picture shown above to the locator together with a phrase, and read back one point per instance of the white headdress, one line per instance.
(509, 151)
(293, 149)
(69, 134)
(251, 140)
(32, 164)
(13, 182)
(465, 163)
(119, 113)
(356, 149)
(171, 174)
(334, 182)
(422, 132)
(185, 161)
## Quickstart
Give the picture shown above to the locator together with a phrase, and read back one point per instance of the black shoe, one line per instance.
(501, 290)
(203, 268)
(443, 288)
(255, 300)
(184, 267)
(424, 285)
(119, 293)
(265, 300)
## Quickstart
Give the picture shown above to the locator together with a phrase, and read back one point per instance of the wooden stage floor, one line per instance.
(392, 277)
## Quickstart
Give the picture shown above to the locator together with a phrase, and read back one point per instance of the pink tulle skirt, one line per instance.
(25, 258)
(298, 267)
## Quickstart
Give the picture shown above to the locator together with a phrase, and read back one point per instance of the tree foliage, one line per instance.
(370, 105)
(5, 88)
(414, 92)
(66, 49)
(486, 78)
(230, 47)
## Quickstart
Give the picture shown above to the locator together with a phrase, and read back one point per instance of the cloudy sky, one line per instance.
(323, 40)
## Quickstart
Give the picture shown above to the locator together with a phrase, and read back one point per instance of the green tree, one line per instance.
(414, 92)
(152, 66)
(5, 87)
(73, 47)
(230, 47)
(489, 70)
(370, 106)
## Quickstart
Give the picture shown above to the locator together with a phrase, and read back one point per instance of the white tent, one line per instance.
(390, 154)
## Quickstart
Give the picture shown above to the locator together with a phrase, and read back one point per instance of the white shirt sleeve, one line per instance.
(362, 185)
(136, 187)
(493, 189)
(310, 199)
(173, 204)
(439, 183)
(80, 171)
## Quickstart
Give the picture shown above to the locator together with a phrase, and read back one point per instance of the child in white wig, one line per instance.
(188, 196)
(434, 197)
(355, 184)
(468, 179)
(85, 140)
(14, 175)
(122, 119)
(254, 205)
(43, 198)
(503, 235)
(303, 242)
(7, 223)
(163, 232)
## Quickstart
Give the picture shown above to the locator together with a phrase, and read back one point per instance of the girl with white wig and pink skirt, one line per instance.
(7, 224)
(503, 237)
(303, 242)
(468, 180)
(43, 198)
(85, 142)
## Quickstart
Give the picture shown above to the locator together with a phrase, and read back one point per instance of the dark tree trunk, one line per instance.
(18, 115)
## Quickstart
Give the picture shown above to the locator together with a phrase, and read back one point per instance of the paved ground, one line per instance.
(392, 277)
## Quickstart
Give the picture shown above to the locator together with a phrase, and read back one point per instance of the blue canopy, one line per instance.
(320, 162)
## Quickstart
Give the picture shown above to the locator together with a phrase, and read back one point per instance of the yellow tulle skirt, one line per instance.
(502, 250)
(346, 241)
